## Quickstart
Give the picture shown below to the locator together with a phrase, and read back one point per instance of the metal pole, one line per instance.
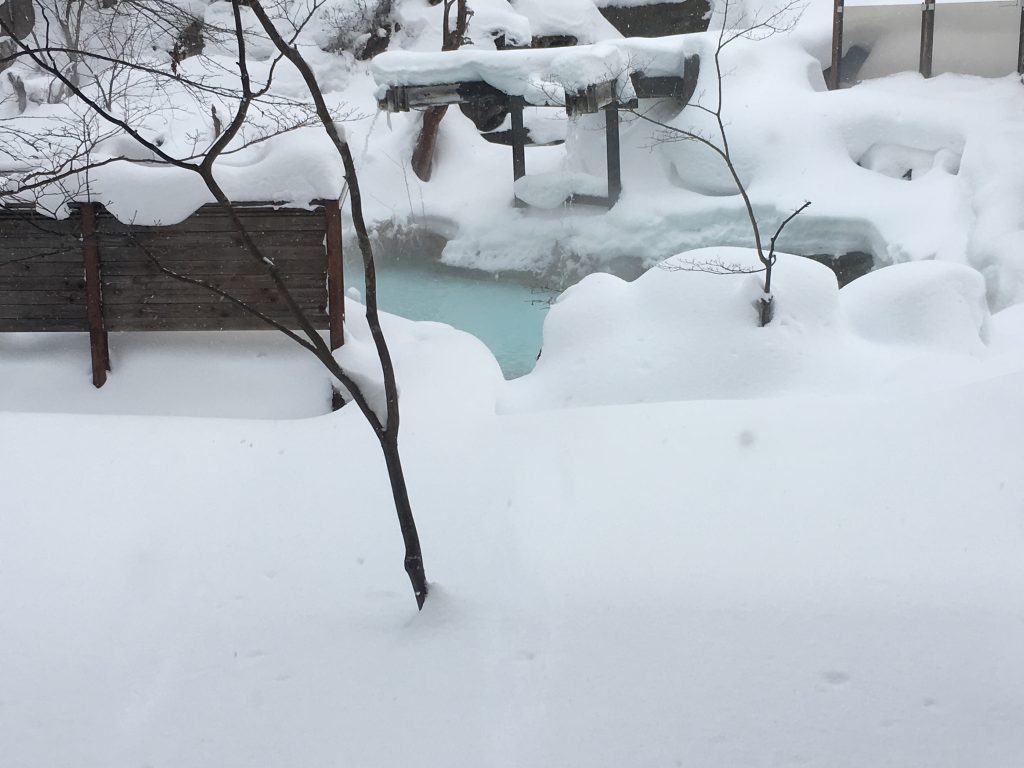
(516, 104)
(611, 116)
(1020, 45)
(834, 76)
(927, 37)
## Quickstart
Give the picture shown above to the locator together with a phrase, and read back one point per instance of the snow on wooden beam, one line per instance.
(586, 101)
(549, 77)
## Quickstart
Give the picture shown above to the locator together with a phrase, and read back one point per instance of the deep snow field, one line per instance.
(681, 540)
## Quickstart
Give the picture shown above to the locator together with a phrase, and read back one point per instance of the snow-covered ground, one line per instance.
(809, 580)
(682, 540)
(783, 577)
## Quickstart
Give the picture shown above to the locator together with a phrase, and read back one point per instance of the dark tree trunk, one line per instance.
(386, 428)
(400, 494)
(423, 153)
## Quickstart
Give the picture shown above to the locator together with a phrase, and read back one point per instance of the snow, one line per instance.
(683, 332)
(542, 76)
(681, 539)
(550, 190)
(742, 582)
(579, 18)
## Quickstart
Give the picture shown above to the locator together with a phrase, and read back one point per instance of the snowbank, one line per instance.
(680, 332)
(830, 581)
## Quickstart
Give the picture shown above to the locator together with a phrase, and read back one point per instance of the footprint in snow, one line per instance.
(835, 677)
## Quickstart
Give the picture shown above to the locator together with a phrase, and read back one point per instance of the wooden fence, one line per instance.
(93, 273)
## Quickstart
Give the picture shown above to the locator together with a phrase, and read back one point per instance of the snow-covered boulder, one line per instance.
(924, 303)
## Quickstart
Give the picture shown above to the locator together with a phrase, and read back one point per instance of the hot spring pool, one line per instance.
(506, 314)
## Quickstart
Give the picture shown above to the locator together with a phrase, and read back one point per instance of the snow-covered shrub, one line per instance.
(360, 27)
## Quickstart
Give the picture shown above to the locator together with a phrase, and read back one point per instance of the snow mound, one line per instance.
(926, 303)
(686, 331)
(677, 333)
(550, 190)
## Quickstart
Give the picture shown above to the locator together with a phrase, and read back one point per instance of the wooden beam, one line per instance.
(661, 87)
(335, 274)
(591, 99)
(611, 113)
(927, 37)
(516, 104)
(834, 75)
(403, 98)
(94, 296)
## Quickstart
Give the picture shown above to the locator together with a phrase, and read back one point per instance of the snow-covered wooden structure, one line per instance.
(656, 18)
(975, 37)
(91, 272)
(583, 80)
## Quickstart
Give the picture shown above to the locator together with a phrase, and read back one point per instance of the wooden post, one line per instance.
(611, 113)
(94, 296)
(335, 274)
(834, 75)
(516, 104)
(927, 37)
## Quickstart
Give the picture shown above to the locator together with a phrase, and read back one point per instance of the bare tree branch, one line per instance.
(778, 20)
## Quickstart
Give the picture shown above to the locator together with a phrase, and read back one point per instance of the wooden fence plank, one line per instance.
(41, 325)
(33, 282)
(335, 275)
(41, 296)
(184, 309)
(94, 297)
(260, 298)
(161, 282)
(75, 311)
(212, 323)
(38, 226)
(280, 256)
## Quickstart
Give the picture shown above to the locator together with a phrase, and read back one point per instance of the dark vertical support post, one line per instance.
(834, 75)
(611, 115)
(516, 105)
(94, 296)
(335, 274)
(927, 37)
(1020, 45)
